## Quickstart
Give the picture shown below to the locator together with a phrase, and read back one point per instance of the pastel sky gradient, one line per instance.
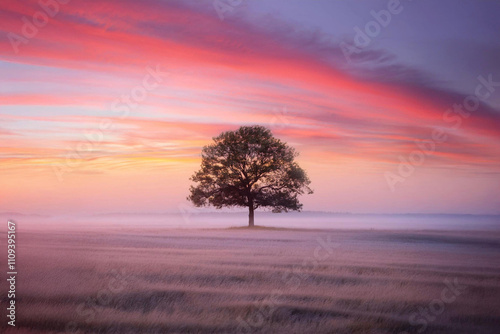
(70, 144)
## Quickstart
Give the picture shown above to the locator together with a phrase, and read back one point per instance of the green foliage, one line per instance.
(249, 168)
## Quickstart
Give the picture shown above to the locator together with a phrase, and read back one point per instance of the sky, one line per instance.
(393, 105)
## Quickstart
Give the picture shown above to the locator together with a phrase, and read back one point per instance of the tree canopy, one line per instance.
(249, 168)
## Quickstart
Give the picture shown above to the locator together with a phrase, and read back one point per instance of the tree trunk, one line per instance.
(250, 215)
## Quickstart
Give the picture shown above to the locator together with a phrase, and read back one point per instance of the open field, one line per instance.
(263, 281)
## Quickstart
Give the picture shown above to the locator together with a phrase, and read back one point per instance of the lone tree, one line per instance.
(249, 168)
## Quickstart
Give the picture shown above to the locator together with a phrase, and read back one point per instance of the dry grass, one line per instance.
(202, 281)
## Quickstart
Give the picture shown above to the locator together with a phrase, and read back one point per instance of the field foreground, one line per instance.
(256, 281)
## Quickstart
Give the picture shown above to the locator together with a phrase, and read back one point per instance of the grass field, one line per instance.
(261, 280)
